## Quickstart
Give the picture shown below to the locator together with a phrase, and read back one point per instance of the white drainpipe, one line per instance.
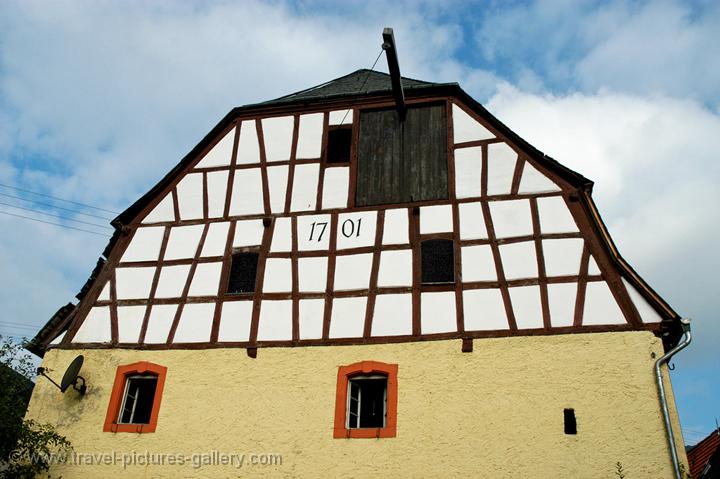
(687, 337)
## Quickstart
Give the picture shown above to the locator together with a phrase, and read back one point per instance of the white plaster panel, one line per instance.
(172, 281)
(392, 315)
(145, 245)
(105, 293)
(519, 260)
(395, 268)
(235, 319)
(282, 235)
(312, 274)
(437, 312)
(561, 299)
(555, 216)
(275, 321)
(511, 218)
(311, 316)
(277, 134)
(248, 145)
(647, 312)
(195, 323)
(247, 193)
(395, 230)
(313, 232)
(304, 187)
(164, 211)
(221, 153)
(562, 256)
(133, 283)
(59, 338)
(468, 172)
(501, 168)
(277, 184)
(190, 196)
(348, 317)
(532, 181)
(478, 263)
(159, 323)
(341, 117)
(600, 305)
(472, 221)
(593, 267)
(356, 229)
(216, 239)
(484, 310)
(310, 136)
(466, 128)
(352, 271)
(206, 279)
(183, 241)
(278, 275)
(95, 328)
(436, 219)
(527, 307)
(130, 319)
(248, 233)
(335, 187)
(217, 192)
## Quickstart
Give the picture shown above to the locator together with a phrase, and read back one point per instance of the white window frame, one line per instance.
(135, 399)
(362, 377)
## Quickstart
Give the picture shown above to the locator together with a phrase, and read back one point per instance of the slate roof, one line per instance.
(359, 82)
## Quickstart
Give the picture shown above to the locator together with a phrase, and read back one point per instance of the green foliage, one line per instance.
(26, 447)
(619, 471)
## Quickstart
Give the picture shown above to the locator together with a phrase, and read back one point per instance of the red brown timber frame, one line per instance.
(592, 230)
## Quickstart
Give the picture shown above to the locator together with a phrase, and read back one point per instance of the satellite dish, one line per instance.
(71, 377)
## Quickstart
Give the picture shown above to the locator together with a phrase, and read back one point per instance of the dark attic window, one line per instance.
(402, 161)
(367, 401)
(570, 422)
(242, 273)
(138, 399)
(438, 261)
(339, 144)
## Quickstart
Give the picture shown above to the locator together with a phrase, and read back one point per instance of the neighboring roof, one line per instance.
(703, 454)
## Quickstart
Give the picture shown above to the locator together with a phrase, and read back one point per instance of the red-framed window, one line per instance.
(135, 398)
(366, 400)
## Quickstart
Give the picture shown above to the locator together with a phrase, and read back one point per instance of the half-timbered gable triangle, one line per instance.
(342, 228)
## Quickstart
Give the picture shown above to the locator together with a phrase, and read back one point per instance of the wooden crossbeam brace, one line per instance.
(394, 68)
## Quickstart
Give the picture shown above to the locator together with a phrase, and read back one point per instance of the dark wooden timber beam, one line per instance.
(394, 68)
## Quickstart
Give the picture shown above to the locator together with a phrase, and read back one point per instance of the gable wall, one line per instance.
(527, 259)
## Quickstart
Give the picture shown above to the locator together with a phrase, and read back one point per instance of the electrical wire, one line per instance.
(58, 199)
(49, 205)
(54, 216)
(55, 224)
(364, 81)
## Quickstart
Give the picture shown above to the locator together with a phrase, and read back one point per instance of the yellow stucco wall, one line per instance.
(495, 412)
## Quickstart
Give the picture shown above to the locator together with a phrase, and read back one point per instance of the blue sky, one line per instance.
(98, 100)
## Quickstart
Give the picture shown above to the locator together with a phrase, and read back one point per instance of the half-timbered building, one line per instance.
(365, 289)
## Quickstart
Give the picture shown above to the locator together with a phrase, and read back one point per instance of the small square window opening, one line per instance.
(438, 261)
(570, 421)
(138, 399)
(367, 402)
(243, 271)
(339, 144)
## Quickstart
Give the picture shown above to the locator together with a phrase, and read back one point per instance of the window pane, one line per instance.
(138, 401)
(367, 402)
(242, 273)
(438, 261)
